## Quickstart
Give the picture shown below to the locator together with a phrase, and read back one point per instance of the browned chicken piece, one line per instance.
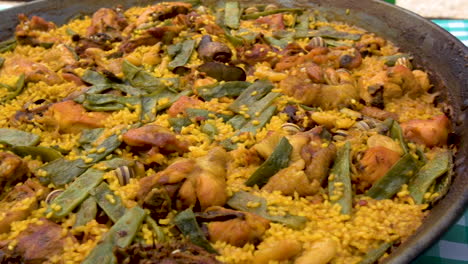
(292, 180)
(431, 132)
(108, 21)
(28, 32)
(301, 88)
(207, 182)
(404, 77)
(160, 12)
(33, 71)
(238, 231)
(274, 22)
(267, 145)
(256, 53)
(292, 49)
(202, 23)
(288, 62)
(378, 113)
(184, 102)
(369, 43)
(387, 84)
(278, 250)
(315, 73)
(39, 242)
(71, 117)
(318, 55)
(12, 170)
(337, 96)
(151, 37)
(110, 65)
(59, 57)
(159, 138)
(19, 203)
(188, 182)
(375, 163)
(319, 162)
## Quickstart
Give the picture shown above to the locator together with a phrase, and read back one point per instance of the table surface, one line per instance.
(452, 248)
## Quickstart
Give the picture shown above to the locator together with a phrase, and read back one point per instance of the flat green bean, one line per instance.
(272, 12)
(427, 175)
(278, 160)
(86, 213)
(115, 208)
(341, 183)
(399, 174)
(15, 137)
(183, 55)
(232, 15)
(75, 194)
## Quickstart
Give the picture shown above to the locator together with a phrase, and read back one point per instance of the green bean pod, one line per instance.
(110, 203)
(341, 183)
(427, 175)
(278, 160)
(15, 137)
(86, 213)
(75, 194)
(400, 173)
(374, 255)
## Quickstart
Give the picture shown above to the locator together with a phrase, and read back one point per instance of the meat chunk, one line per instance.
(71, 117)
(292, 180)
(319, 161)
(238, 231)
(33, 71)
(431, 132)
(188, 182)
(151, 37)
(300, 88)
(179, 106)
(12, 170)
(162, 11)
(377, 113)
(40, 241)
(274, 22)
(207, 183)
(165, 253)
(108, 21)
(28, 31)
(375, 163)
(19, 203)
(113, 66)
(158, 138)
(257, 53)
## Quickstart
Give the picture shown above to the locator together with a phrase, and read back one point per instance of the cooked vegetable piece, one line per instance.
(391, 182)
(2, 60)
(441, 185)
(160, 236)
(121, 234)
(229, 89)
(278, 160)
(88, 136)
(340, 184)
(241, 200)
(237, 121)
(334, 43)
(145, 80)
(222, 72)
(209, 129)
(334, 34)
(232, 15)
(15, 137)
(86, 213)
(397, 133)
(374, 255)
(187, 224)
(62, 171)
(177, 123)
(390, 60)
(45, 153)
(75, 193)
(19, 86)
(261, 120)
(108, 201)
(94, 78)
(302, 25)
(183, 55)
(109, 102)
(427, 175)
(250, 95)
(272, 12)
(8, 45)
